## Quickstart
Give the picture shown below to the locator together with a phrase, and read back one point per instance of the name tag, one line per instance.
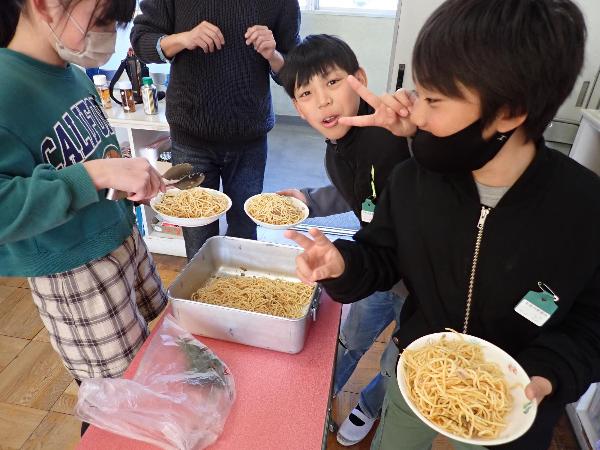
(367, 211)
(537, 307)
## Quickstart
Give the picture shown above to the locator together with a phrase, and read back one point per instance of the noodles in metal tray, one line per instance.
(258, 294)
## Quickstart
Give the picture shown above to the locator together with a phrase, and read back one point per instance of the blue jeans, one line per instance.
(241, 168)
(366, 320)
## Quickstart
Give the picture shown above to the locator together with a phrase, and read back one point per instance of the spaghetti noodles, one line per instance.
(453, 386)
(263, 295)
(192, 203)
(274, 209)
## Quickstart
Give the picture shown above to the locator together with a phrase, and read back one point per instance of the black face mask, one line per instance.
(460, 152)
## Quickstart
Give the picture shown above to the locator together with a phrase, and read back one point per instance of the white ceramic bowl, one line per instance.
(190, 222)
(296, 203)
(523, 412)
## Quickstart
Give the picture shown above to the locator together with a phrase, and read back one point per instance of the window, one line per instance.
(387, 7)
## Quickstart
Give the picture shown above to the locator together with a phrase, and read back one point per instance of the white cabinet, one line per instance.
(141, 130)
(585, 414)
(585, 418)
(584, 93)
(586, 148)
(410, 18)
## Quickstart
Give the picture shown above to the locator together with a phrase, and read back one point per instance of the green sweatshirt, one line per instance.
(52, 217)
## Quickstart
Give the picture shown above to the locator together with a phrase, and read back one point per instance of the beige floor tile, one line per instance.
(5, 292)
(56, 432)
(66, 402)
(17, 423)
(35, 378)
(15, 282)
(168, 267)
(9, 349)
(386, 334)
(19, 316)
(168, 276)
(42, 336)
(169, 262)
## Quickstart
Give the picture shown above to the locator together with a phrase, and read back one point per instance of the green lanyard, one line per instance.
(373, 182)
(368, 207)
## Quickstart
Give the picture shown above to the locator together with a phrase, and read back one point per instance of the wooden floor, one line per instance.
(37, 394)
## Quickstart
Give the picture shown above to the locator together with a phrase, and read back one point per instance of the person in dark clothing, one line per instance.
(358, 162)
(494, 213)
(219, 105)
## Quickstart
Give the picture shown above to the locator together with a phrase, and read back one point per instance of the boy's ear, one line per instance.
(361, 76)
(295, 102)
(506, 121)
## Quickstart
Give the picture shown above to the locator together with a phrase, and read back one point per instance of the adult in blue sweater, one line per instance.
(219, 104)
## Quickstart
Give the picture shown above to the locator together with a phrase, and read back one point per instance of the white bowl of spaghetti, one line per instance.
(466, 388)
(274, 211)
(193, 207)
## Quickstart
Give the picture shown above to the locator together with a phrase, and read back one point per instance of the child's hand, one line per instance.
(320, 259)
(294, 193)
(538, 388)
(205, 36)
(391, 111)
(132, 175)
(262, 39)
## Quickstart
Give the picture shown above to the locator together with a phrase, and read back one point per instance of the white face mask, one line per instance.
(97, 49)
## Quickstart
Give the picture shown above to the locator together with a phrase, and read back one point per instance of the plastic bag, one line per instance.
(179, 398)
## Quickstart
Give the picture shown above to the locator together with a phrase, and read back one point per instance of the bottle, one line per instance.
(127, 100)
(149, 96)
(102, 88)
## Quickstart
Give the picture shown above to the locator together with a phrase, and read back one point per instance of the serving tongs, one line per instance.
(179, 176)
(187, 182)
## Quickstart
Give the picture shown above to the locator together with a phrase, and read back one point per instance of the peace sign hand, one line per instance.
(392, 112)
(320, 259)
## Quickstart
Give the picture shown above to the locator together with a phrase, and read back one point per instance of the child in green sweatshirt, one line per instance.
(91, 276)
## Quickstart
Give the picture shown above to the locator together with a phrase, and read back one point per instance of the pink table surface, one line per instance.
(281, 399)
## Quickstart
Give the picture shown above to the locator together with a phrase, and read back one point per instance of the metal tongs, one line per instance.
(179, 176)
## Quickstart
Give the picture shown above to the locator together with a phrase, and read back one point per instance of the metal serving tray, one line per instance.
(226, 256)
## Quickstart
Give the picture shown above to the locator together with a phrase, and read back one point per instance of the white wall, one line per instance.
(369, 37)
(121, 48)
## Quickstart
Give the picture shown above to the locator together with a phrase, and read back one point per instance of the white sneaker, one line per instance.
(354, 428)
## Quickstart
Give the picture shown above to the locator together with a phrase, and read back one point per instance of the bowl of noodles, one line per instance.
(194, 207)
(274, 211)
(466, 388)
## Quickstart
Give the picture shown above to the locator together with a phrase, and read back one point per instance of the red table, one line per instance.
(282, 400)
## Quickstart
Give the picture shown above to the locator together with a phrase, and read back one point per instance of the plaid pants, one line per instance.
(97, 315)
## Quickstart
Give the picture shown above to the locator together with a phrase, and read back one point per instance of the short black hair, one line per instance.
(316, 54)
(524, 55)
(120, 11)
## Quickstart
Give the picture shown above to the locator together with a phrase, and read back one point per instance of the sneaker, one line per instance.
(354, 429)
